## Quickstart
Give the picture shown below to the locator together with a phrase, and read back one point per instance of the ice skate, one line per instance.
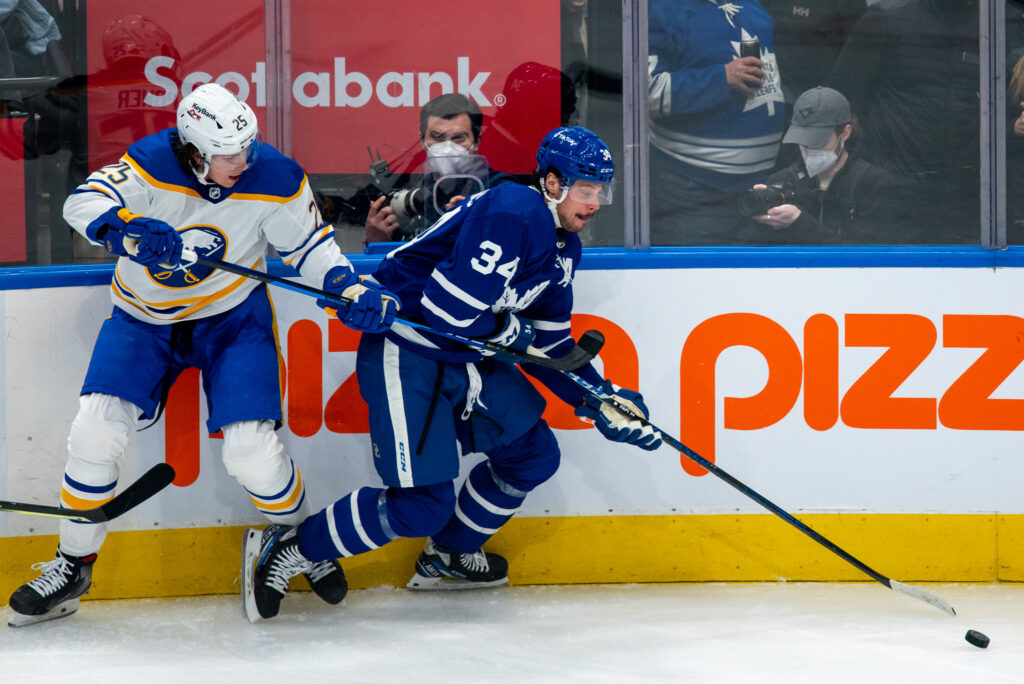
(269, 561)
(55, 593)
(441, 568)
(327, 580)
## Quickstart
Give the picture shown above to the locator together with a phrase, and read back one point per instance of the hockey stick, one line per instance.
(151, 482)
(582, 353)
(595, 397)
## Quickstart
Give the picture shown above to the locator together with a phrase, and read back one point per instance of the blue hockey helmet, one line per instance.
(578, 154)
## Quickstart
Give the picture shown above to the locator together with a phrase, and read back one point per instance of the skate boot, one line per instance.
(327, 580)
(442, 568)
(269, 560)
(54, 594)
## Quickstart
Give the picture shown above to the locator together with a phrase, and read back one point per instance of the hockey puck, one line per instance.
(976, 638)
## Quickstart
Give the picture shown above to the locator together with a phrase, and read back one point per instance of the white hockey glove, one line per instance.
(617, 426)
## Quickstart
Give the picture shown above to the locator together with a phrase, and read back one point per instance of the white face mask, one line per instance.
(444, 157)
(817, 161)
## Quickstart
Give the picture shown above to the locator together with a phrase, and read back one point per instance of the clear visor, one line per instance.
(590, 192)
(248, 155)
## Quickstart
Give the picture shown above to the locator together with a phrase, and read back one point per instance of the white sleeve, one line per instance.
(116, 185)
(303, 239)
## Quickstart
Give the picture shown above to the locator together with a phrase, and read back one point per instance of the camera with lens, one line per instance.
(758, 202)
(408, 205)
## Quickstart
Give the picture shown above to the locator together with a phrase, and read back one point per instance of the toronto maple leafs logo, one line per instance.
(565, 263)
(511, 301)
(205, 241)
(770, 91)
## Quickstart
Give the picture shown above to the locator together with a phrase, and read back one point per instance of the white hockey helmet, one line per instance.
(217, 122)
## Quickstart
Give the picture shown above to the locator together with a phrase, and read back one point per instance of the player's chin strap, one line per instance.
(552, 204)
(586, 348)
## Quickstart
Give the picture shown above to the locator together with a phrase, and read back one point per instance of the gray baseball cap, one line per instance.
(815, 115)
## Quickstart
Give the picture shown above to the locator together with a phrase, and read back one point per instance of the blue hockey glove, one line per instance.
(108, 230)
(617, 426)
(372, 308)
(516, 333)
(144, 240)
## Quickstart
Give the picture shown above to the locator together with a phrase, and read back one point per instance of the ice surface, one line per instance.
(791, 633)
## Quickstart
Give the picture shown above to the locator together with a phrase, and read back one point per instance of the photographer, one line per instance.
(830, 196)
(450, 133)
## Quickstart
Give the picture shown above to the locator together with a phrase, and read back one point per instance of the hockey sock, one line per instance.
(485, 503)
(354, 524)
(283, 505)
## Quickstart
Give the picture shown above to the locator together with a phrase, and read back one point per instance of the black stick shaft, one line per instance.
(575, 359)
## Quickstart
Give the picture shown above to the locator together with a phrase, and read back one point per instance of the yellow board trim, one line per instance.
(587, 550)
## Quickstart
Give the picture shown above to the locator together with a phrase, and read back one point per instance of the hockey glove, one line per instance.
(516, 333)
(144, 240)
(372, 308)
(617, 426)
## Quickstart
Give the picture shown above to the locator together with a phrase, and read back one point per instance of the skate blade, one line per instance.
(421, 583)
(63, 610)
(250, 552)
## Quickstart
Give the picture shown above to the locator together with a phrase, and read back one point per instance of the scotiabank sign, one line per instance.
(358, 77)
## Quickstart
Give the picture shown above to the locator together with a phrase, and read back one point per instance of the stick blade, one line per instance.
(923, 595)
(151, 482)
(581, 354)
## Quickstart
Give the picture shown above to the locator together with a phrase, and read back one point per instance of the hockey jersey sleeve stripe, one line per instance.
(457, 292)
(98, 186)
(444, 315)
(326, 237)
(315, 236)
(159, 184)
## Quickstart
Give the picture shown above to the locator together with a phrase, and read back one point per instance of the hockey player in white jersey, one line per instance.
(212, 185)
(498, 266)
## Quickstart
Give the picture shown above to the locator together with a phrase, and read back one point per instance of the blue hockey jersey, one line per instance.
(497, 251)
(724, 139)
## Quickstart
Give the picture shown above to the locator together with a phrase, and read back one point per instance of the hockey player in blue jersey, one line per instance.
(211, 185)
(498, 266)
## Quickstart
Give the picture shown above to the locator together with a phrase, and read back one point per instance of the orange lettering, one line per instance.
(620, 361)
(869, 402)
(821, 372)
(305, 371)
(966, 404)
(697, 380)
(346, 412)
(181, 428)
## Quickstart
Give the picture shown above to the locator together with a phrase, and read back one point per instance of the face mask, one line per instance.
(445, 156)
(817, 161)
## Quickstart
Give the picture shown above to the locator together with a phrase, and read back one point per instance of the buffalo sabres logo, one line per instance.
(205, 241)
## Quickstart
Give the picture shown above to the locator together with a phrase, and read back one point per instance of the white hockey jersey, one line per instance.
(270, 204)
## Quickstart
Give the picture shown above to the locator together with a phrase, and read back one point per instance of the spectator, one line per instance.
(830, 195)
(716, 117)
(808, 38)
(1015, 148)
(449, 129)
(911, 71)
